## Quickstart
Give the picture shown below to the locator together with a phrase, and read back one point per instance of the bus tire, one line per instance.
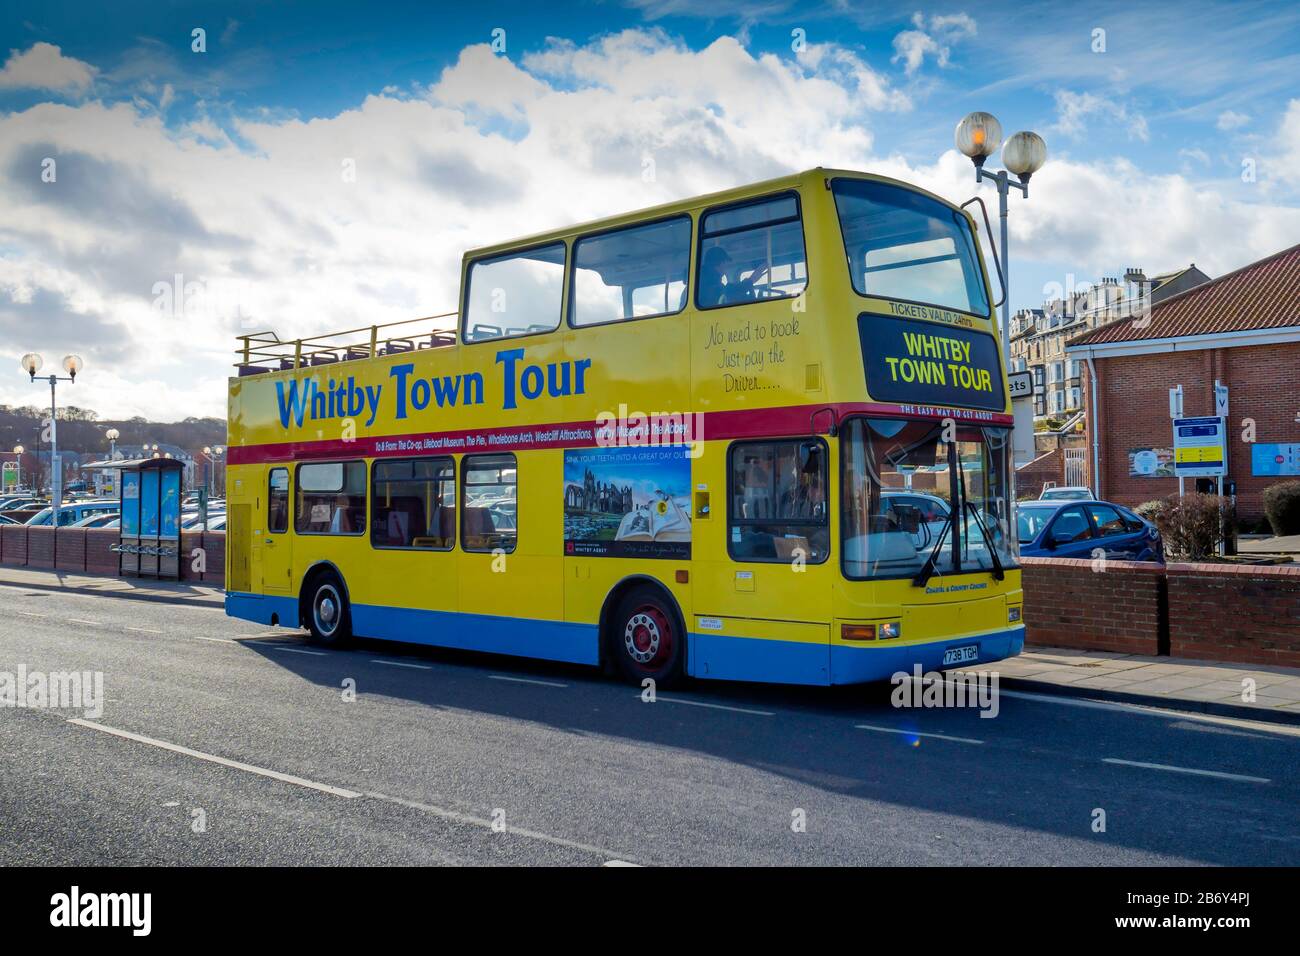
(647, 639)
(328, 616)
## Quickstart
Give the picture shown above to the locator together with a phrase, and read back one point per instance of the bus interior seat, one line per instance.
(323, 358)
(485, 332)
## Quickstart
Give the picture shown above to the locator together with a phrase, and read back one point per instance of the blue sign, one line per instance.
(1280, 459)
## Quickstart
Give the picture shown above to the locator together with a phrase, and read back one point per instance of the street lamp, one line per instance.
(112, 435)
(978, 136)
(18, 457)
(31, 364)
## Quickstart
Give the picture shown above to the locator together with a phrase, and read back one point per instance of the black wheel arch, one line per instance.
(315, 571)
(610, 607)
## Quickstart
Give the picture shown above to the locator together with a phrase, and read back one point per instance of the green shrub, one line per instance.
(1192, 526)
(1282, 507)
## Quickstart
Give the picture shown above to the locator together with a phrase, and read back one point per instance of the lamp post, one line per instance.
(72, 364)
(978, 136)
(219, 486)
(112, 435)
(18, 457)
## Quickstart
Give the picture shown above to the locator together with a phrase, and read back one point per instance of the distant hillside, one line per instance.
(81, 430)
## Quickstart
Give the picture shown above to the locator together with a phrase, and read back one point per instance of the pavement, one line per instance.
(1263, 544)
(223, 742)
(144, 589)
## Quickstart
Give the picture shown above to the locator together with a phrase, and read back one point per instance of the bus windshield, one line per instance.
(901, 483)
(904, 245)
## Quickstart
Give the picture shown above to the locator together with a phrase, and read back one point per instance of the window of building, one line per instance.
(632, 273)
(331, 498)
(514, 294)
(751, 252)
(902, 244)
(277, 501)
(778, 502)
(489, 486)
(413, 503)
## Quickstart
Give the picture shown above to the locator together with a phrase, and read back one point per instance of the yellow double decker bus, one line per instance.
(758, 435)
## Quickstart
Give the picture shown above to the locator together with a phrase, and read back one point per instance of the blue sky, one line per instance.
(1173, 133)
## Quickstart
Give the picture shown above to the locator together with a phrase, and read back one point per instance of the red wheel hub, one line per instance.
(648, 637)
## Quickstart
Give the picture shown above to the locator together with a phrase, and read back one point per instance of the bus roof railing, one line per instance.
(266, 352)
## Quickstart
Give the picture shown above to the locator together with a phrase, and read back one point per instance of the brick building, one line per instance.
(1242, 329)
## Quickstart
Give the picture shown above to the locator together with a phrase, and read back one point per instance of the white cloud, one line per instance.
(1230, 120)
(44, 67)
(934, 37)
(1074, 110)
(256, 212)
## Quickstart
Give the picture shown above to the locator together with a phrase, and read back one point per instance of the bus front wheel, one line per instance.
(646, 638)
(328, 617)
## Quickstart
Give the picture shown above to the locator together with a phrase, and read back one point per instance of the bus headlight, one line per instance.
(890, 630)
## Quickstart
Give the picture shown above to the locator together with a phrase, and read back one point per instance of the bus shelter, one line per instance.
(150, 542)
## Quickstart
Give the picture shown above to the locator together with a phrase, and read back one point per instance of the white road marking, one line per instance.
(296, 650)
(28, 613)
(212, 758)
(1143, 710)
(699, 703)
(917, 733)
(457, 817)
(619, 863)
(1200, 773)
(145, 630)
(77, 620)
(418, 667)
(526, 680)
(214, 640)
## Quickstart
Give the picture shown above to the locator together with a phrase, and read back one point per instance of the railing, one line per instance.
(265, 352)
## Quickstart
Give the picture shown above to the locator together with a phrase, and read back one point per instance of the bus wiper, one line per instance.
(927, 570)
(998, 574)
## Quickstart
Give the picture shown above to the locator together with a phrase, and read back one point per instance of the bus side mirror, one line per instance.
(809, 456)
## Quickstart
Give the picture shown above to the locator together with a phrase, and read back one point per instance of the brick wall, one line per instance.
(100, 559)
(1068, 604)
(1047, 467)
(70, 555)
(40, 546)
(1133, 394)
(13, 544)
(1249, 614)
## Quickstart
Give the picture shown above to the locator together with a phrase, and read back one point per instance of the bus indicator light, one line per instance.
(858, 632)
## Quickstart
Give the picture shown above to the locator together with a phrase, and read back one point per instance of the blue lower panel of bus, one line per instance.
(793, 662)
(545, 640)
(711, 656)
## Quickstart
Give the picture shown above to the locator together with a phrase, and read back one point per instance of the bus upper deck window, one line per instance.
(902, 244)
(515, 294)
(751, 252)
(631, 273)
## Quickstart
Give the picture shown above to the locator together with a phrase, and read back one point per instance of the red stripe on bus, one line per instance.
(734, 423)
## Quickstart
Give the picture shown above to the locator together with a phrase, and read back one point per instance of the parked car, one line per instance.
(1075, 529)
(194, 522)
(1066, 493)
(4, 520)
(16, 501)
(72, 512)
(95, 520)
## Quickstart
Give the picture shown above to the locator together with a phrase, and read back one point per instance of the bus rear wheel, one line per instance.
(646, 640)
(328, 616)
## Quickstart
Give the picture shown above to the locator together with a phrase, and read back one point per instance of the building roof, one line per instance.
(1262, 295)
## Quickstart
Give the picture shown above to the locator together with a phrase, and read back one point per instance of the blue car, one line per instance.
(1075, 529)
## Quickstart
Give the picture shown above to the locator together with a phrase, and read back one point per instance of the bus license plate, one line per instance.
(961, 655)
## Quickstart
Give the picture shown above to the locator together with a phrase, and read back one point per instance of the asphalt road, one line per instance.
(223, 742)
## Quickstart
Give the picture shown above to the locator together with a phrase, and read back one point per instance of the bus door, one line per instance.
(276, 543)
(764, 578)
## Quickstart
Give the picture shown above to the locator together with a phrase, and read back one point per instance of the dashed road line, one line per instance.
(526, 680)
(917, 733)
(1218, 774)
(1168, 712)
(213, 758)
(77, 620)
(296, 650)
(418, 667)
(456, 816)
(145, 630)
(660, 699)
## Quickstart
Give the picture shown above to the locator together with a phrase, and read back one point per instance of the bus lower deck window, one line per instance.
(778, 502)
(489, 485)
(413, 504)
(331, 498)
(277, 501)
